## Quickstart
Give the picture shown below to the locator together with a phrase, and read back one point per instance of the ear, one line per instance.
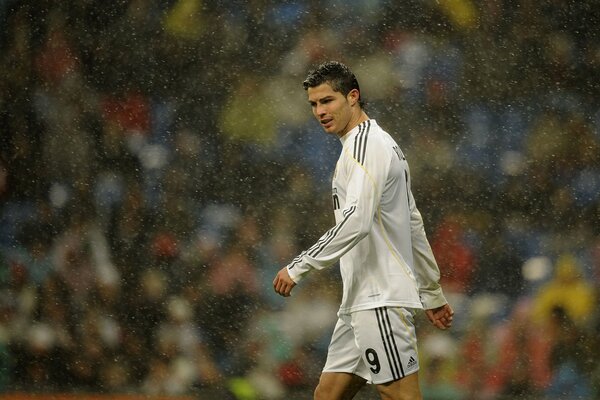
(353, 96)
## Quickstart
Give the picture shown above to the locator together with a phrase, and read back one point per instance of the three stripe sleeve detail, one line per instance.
(318, 247)
(360, 142)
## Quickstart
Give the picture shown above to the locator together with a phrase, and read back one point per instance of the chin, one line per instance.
(331, 129)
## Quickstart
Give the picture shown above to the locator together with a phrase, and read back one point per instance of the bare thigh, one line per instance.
(338, 386)
(406, 388)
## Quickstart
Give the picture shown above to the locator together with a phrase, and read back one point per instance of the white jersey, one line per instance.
(379, 238)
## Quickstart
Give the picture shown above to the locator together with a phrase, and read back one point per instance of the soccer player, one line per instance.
(388, 269)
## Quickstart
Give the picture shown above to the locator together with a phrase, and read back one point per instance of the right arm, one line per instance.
(366, 178)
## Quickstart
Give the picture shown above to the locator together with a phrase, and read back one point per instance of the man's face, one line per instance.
(332, 109)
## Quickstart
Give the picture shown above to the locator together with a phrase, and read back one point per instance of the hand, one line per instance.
(441, 317)
(282, 283)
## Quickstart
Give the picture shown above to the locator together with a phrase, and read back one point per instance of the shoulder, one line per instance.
(375, 149)
(368, 143)
(377, 140)
(367, 135)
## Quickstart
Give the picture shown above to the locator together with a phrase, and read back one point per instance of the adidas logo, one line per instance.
(411, 363)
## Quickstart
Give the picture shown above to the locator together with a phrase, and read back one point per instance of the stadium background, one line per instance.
(158, 164)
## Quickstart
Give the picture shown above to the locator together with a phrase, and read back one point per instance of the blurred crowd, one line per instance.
(159, 163)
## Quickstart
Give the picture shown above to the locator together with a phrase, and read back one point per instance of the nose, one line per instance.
(320, 110)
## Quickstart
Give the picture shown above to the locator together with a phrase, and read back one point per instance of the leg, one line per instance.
(388, 339)
(406, 388)
(344, 373)
(338, 386)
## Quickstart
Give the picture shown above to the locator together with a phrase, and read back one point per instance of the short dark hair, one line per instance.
(337, 75)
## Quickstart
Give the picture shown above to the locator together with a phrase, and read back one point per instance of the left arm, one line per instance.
(437, 309)
(441, 317)
(426, 268)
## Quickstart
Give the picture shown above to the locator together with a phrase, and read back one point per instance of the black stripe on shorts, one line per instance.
(389, 343)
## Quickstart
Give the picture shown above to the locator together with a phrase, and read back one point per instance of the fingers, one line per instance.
(446, 317)
(441, 317)
(283, 284)
(281, 288)
(441, 323)
(444, 322)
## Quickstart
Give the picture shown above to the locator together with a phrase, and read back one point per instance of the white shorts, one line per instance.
(378, 345)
